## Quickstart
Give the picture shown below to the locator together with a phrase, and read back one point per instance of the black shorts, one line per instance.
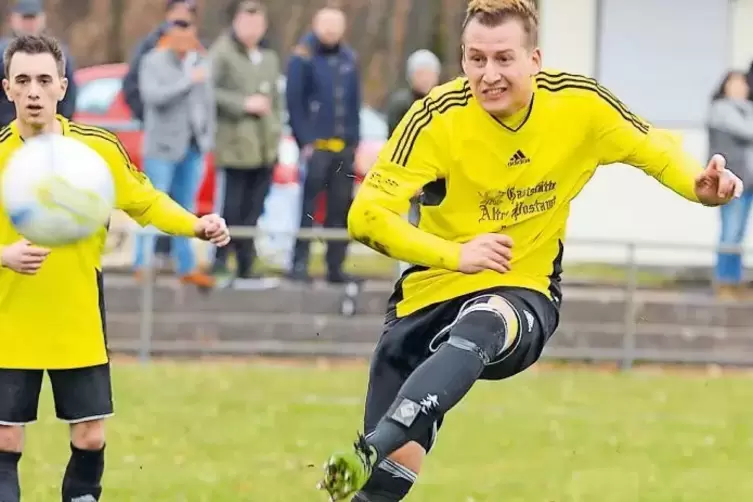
(80, 394)
(408, 341)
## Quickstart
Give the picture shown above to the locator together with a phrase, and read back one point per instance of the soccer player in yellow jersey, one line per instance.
(51, 303)
(498, 156)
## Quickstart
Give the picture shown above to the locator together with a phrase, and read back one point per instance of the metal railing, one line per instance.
(626, 355)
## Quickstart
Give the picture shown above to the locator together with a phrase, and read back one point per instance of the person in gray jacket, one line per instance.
(179, 130)
(730, 128)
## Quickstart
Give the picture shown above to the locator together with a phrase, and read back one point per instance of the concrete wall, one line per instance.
(621, 203)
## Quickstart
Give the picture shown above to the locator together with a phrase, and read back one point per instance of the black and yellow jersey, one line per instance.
(54, 319)
(518, 177)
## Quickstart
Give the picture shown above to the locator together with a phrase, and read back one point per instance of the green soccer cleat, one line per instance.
(346, 473)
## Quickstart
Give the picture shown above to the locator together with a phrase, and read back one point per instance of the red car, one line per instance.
(100, 102)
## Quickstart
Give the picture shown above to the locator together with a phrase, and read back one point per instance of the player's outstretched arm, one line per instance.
(148, 206)
(622, 136)
(409, 161)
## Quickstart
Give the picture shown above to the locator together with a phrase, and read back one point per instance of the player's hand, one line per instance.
(23, 258)
(212, 228)
(486, 252)
(717, 185)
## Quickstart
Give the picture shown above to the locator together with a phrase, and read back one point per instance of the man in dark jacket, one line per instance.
(323, 95)
(28, 18)
(177, 10)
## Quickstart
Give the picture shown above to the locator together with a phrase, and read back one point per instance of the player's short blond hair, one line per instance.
(496, 12)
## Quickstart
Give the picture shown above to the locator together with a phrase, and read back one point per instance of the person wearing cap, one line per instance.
(175, 10)
(179, 130)
(249, 128)
(422, 71)
(28, 18)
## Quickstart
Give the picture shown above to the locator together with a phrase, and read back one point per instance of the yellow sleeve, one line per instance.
(622, 136)
(414, 155)
(135, 195)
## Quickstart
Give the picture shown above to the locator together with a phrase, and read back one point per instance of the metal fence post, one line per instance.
(630, 328)
(147, 298)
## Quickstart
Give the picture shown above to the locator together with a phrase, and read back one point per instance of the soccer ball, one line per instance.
(56, 190)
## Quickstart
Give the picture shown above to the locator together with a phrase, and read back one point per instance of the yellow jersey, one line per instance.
(480, 175)
(55, 319)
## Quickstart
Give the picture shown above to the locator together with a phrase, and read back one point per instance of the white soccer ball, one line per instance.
(56, 190)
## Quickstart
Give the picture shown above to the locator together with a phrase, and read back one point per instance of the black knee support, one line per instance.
(480, 331)
(390, 482)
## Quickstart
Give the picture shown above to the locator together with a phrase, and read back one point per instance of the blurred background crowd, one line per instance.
(271, 114)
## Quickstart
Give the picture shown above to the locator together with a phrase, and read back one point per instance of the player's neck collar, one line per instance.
(64, 129)
(517, 120)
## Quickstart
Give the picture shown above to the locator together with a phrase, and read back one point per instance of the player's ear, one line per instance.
(536, 60)
(462, 58)
(6, 88)
(63, 88)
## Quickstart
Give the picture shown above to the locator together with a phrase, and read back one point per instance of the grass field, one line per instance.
(213, 431)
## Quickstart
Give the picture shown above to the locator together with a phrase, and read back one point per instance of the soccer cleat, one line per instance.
(346, 473)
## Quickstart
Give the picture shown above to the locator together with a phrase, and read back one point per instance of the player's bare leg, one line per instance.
(11, 445)
(83, 475)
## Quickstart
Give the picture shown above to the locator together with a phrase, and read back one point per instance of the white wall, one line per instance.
(742, 34)
(621, 203)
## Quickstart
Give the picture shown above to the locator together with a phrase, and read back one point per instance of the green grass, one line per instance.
(238, 432)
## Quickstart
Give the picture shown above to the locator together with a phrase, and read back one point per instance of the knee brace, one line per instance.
(390, 482)
(487, 326)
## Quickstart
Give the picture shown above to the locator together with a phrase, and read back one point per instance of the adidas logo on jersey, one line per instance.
(518, 159)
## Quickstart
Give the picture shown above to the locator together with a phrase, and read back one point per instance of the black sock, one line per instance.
(431, 390)
(83, 475)
(10, 490)
(390, 482)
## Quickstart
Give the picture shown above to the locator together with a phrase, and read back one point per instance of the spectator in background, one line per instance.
(177, 10)
(28, 18)
(249, 117)
(730, 125)
(324, 101)
(422, 71)
(179, 129)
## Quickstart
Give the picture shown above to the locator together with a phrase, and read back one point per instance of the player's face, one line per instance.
(499, 64)
(35, 87)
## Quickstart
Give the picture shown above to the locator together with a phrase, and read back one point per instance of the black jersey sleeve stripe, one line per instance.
(441, 107)
(562, 81)
(102, 134)
(559, 79)
(556, 77)
(429, 105)
(5, 133)
(629, 117)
